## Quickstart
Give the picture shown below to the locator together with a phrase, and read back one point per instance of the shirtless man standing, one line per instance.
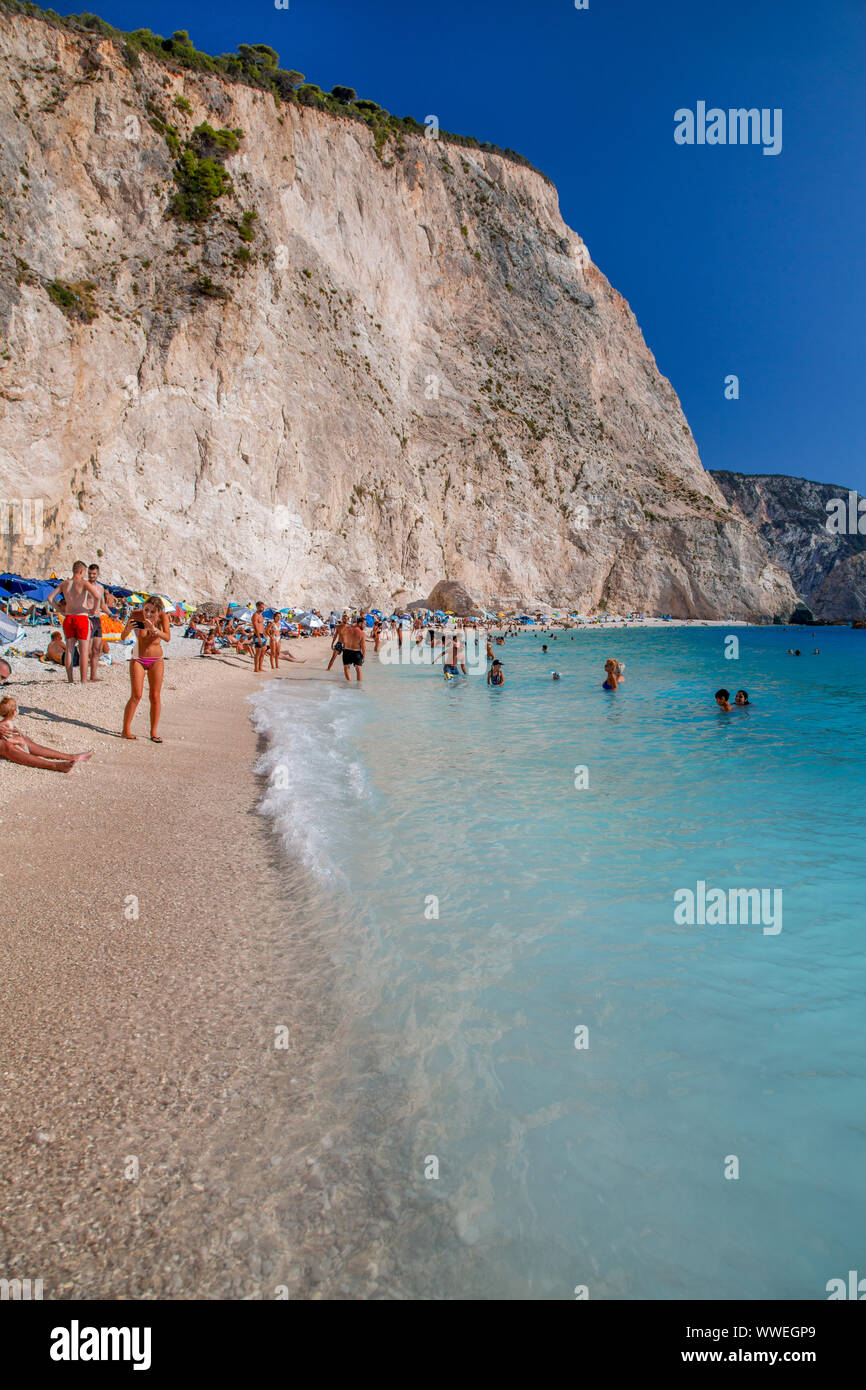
(339, 638)
(80, 596)
(354, 647)
(458, 656)
(95, 624)
(260, 641)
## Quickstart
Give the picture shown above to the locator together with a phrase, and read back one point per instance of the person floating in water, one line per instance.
(612, 675)
(723, 700)
(496, 675)
(741, 698)
(554, 675)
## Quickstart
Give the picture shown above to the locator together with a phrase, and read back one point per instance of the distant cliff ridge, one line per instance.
(249, 347)
(827, 566)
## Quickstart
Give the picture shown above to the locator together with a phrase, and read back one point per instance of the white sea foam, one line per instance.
(313, 778)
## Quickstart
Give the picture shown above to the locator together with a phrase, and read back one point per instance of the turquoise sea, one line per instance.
(480, 911)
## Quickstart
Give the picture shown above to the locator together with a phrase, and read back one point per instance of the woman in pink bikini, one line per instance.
(150, 624)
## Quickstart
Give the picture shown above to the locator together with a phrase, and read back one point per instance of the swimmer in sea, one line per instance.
(723, 700)
(496, 675)
(554, 675)
(741, 698)
(611, 680)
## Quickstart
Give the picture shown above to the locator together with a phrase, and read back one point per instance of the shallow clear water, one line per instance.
(601, 1166)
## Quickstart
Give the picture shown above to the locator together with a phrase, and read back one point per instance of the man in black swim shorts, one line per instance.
(260, 641)
(354, 647)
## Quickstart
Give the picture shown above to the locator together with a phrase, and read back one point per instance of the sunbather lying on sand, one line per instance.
(17, 748)
(56, 650)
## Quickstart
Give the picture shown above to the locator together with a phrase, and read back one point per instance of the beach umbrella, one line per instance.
(20, 586)
(39, 589)
(242, 614)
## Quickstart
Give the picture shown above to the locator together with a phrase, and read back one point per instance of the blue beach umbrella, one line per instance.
(39, 589)
(16, 585)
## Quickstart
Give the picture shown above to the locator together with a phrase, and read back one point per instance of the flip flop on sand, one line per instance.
(155, 739)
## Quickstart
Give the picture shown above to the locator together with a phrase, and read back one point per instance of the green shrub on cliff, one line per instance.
(76, 301)
(200, 182)
(199, 173)
(246, 229)
(256, 65)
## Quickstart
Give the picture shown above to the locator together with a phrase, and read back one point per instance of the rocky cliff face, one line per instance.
(827, 569)
(403, 367)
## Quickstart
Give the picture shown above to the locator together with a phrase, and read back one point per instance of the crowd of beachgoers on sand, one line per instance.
(87, 624)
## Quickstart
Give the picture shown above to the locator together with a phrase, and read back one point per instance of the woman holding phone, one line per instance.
(150, 624)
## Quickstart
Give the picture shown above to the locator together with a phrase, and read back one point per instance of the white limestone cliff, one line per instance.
(418, 374)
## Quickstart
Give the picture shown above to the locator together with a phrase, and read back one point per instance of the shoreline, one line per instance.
(152, 1038)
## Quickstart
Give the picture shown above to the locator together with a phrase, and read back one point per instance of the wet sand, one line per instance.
(147, 954)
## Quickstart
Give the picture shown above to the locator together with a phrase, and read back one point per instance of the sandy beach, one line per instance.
(144, 970)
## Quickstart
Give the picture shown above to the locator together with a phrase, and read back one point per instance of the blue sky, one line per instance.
(733, 261)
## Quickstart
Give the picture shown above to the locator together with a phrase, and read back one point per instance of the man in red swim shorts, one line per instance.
(78, 594)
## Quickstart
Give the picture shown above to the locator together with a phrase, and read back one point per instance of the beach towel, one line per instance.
(111, 627)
